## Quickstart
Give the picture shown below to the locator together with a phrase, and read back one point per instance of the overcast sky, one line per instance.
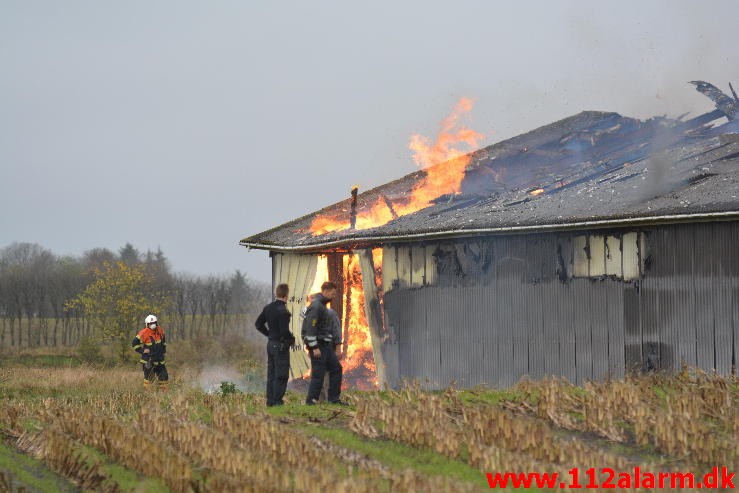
(189, 125)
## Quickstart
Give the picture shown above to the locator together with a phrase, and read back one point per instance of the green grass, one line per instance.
(398, 455)
(31, 473)
(127, 480)
(480, 395)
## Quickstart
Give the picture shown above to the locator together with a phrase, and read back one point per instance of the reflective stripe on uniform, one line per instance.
(137, 346)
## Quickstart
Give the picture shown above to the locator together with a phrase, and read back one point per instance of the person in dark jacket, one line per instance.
(335, 325)
(274, 322)
(151, 344)
(319, 341)
(335, 330)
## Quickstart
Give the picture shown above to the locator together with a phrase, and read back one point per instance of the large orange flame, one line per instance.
(358, 362)
(358, 359)
(445, 161)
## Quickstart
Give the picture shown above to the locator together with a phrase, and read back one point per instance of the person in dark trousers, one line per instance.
(151, 344)
(319, 341)
(274, 322)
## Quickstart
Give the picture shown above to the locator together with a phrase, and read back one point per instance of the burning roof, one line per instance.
(590, 169)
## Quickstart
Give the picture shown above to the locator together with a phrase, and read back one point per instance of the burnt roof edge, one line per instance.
(536, 228)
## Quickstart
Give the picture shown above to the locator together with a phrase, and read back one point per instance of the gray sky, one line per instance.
(189, 125)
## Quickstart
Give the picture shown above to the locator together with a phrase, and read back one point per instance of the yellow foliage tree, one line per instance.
(117, 301)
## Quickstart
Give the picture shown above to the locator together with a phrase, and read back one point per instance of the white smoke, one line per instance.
(211, 377)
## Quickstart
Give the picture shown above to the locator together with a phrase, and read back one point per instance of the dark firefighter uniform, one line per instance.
(317, 334)
(274, 322)
(152, 361)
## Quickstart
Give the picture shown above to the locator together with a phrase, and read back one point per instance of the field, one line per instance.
(69, 426)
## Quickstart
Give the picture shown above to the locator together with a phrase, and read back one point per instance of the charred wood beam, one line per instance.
(353, 213)
(390, 206)
(373, 313)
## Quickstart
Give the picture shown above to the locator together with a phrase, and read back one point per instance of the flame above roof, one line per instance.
(594, 168)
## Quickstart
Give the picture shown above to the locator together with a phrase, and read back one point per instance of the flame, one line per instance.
(321, 277)
(536, 192)
(377, 261)
(445, 161)
(358, 362)
(358, 359)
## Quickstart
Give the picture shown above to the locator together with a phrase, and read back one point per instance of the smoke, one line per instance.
(656, 180)
(210, 379)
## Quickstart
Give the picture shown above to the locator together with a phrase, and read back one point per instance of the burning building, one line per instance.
(588, 248)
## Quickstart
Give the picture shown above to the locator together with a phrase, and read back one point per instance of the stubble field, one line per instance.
(95, 428)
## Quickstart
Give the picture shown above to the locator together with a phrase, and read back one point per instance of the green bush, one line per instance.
(88, 350)
(229, 388)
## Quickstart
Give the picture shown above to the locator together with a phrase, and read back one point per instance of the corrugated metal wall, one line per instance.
(584, 305)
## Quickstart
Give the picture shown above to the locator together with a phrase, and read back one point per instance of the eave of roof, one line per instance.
(607, 186)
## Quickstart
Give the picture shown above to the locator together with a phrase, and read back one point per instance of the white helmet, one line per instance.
(151, 319)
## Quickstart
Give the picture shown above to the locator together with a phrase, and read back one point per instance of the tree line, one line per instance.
(36, 287)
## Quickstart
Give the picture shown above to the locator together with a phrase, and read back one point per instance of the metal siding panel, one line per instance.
(725, 254)
(632, 332)
(601, 294)
(448, 336)
(469, 352)
(276, 265)
(521, 331)
(542, 252)
(294, 269)
(389, 268)
(597, 255)
(505, 296)
(684, 314)
(663, 261)
(404, 266)
(630, 256)
(733, 272)
(726, 236)
(649, 307)
(567, 304)
(551, 327)
(537, 344)
(430, 264)
(477, 346)
(407, 329)
(418, 267)
(491, 342)
(613, 256)
(583, 338)
(434, 342)
(615, 324)
(705, 282)
(581, 263)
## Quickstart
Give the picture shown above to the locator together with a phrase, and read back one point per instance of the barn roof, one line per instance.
(596, 169)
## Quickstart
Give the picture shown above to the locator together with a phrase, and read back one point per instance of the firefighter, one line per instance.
(319, 341)
(274, 322)
(151, 344)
